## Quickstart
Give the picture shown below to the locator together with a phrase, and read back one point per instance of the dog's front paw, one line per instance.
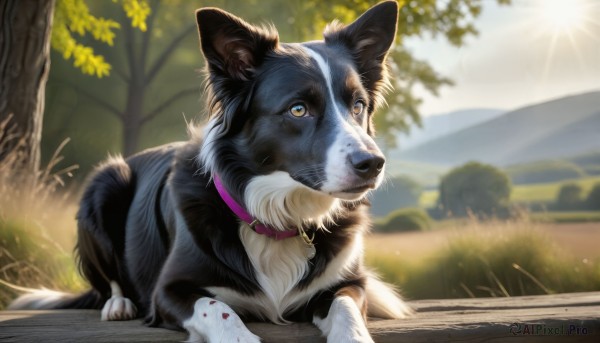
(118, 308)
(349, 335)
(215, 322)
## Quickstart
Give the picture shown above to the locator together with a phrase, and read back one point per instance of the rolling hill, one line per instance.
(444, 124)
(553, 129)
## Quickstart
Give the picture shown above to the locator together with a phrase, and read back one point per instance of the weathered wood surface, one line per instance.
(548, 318)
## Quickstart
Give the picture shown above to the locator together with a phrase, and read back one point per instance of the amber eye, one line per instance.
(298, 110)
(358, 108)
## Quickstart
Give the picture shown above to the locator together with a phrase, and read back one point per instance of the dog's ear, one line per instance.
(371, 35)
(232, 46)
(369, 38)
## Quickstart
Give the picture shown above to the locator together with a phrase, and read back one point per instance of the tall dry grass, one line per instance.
(490, 259)
(37, 221)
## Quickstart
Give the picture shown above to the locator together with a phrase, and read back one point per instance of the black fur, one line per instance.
(155, 224)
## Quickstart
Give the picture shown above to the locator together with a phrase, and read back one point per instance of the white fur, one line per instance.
(344, 323)
(37, 299)
(279, 267)
(207, 153)
(349, 136)
(215, 322)
(118, 307)
(383, 301)
(284, 203)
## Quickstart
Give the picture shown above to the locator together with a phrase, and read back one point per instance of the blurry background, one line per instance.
(492, 135)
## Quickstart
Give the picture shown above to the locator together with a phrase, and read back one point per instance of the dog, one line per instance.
(261, 214)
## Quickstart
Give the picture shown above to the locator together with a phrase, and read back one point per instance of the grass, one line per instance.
(489, 259)
(566, 217)
(37, 225)
(533, 193)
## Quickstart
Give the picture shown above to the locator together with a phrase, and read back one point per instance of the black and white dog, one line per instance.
(261, 215)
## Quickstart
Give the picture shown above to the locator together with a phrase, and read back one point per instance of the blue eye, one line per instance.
(358, 107)
(298, 110)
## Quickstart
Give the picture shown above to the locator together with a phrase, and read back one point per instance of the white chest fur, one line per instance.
(279, 267)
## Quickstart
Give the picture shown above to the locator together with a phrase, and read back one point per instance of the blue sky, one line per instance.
(531, 51)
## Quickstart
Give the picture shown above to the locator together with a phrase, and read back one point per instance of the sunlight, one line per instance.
(560, 22)
(563, 15)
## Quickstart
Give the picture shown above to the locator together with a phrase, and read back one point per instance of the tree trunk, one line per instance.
(25, 27)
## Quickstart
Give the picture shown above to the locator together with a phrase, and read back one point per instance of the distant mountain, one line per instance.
(553, 129)
(439, 125)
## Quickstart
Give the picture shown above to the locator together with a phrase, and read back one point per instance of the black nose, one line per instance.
(366, 164)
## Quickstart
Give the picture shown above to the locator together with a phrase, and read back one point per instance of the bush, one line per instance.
(569, 197)
(403, 220)
(593, 199)
(475, 188)
(397, 192)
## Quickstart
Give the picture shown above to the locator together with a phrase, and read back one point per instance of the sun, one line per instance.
(563, 15)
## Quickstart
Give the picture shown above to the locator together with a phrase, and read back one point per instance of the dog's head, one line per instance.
(303, 109)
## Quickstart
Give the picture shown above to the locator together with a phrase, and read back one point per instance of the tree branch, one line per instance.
(150, 25)
(129, 44)
(121, 74)
(182, 93)
(164, 56)
(106, 105)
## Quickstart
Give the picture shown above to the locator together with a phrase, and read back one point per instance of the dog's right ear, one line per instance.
(232, 46)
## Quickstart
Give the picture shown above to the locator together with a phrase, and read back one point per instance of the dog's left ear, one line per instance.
(368, 38)
(231, 46)
(371, 35)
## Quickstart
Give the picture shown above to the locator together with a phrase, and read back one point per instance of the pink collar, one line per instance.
(239, 211)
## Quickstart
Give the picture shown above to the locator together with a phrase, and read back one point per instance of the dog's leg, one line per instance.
(214, 321)
(118, 307)
(346, 320)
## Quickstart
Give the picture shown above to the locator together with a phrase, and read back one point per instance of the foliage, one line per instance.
(30, 258)
(542, 193)
(490, 260)
(33, 217)
(397, 192)
(569, 197)
(544, 171)
(451, 19)
(74, 17)
(406, 219)
(592, 202)
(94, 113)
(474, 187)
(547, 192)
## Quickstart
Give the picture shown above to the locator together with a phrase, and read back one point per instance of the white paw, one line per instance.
(350, 335)
(215, 322)
(118, 308)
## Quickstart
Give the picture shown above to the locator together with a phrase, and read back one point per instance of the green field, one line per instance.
(493, 258)
(541, 192)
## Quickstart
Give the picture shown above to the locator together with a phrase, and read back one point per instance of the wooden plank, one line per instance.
(552, 318)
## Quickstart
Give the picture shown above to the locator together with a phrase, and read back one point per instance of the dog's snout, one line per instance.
(366, 164)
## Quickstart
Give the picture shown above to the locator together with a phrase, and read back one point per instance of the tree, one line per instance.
(397, 192)
(137, 95)
(569, 197)
(474, 187)
(25, 38)
(593, 199)
(137, 68)
(24, 64)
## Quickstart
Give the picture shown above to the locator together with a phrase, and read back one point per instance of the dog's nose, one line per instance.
(366, 164)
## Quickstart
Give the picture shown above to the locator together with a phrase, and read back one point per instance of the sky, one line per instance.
(525, 53)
